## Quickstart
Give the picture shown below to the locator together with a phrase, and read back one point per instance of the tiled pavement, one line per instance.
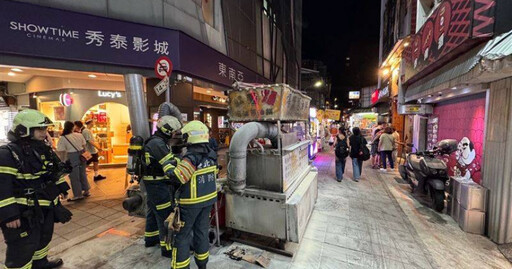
(370, 224)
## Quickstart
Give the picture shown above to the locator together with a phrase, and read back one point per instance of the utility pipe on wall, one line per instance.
(237, 166)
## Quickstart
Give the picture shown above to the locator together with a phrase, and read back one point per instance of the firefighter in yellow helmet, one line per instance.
(196, 173)
(159, 159)
(31, 178)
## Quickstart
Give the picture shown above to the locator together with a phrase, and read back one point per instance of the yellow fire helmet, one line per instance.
(195, 132)
(27, 119)
(168, 124)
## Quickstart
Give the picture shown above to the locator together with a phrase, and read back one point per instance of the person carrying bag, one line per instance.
(77, 158)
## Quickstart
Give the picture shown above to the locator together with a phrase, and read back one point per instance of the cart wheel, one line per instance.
(237, 233)
(281, 244)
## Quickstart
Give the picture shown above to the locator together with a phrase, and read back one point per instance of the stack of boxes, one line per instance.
(468, 205)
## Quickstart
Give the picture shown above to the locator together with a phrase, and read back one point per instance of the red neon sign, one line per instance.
(375, 96)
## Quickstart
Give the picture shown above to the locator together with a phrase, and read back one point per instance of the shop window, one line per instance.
(111, 130)
(209, 120)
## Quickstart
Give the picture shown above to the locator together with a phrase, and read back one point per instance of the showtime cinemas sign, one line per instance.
(454, 27)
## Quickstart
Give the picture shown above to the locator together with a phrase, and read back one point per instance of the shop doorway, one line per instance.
(216, 119)
(111, 130)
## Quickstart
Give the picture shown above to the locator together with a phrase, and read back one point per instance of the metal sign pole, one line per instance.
(168, 92)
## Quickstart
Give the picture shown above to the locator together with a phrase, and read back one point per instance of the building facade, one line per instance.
(80, 46)
(454, 80)
(315, 83)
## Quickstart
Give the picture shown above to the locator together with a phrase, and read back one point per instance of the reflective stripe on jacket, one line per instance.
(158, 159)
(197, 173)
(30, 173)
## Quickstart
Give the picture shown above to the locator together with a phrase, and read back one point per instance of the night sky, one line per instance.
(340, 29)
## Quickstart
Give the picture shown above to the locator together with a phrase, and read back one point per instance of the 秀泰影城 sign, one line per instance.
(53, 33)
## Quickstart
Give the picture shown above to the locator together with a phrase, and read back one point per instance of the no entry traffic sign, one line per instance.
(163, 67)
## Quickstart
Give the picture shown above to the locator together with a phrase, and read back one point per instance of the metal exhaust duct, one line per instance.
(237, 172)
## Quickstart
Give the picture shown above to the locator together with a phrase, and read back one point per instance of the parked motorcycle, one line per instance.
(427, 174)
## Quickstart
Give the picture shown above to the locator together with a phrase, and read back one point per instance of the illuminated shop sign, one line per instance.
(65, 99)
(107, 94)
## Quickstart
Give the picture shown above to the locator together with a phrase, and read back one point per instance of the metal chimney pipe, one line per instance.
(135, 96)
(237, 166)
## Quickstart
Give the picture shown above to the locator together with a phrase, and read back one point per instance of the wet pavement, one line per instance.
(374, 223)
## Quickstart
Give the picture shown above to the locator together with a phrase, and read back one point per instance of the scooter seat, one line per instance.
(414, 160)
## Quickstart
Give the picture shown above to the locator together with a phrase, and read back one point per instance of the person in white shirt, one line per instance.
(91, 146)
(73, 144)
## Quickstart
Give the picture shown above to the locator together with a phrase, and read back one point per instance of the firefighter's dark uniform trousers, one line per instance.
(159, 208)
(28, 245)
(158, 157)
(197, 173)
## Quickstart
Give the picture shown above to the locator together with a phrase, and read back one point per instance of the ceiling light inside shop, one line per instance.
(406, 44)
(92, 76)
(12, 74)
(208, 91)
(454, 88)
(385, 71)
(16, 70)
(430, 95)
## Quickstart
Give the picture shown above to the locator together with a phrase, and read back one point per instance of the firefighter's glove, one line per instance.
(173, 222)
(62, 214)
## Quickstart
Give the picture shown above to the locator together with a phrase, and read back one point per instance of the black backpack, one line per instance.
(364, 149)
(341, 150)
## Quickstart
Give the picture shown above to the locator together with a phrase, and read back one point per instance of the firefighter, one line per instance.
(29, 192)
(158, 159)
(196, 173)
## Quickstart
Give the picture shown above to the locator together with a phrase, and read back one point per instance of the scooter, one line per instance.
(427, 174)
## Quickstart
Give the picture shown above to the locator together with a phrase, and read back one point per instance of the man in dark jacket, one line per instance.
(159, 160)
(357, 141)
(196, 173)
(29, 192)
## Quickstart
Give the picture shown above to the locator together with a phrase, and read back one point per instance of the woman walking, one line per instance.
(386, 147)
(341, 151)
(357, 142)
(73, 144)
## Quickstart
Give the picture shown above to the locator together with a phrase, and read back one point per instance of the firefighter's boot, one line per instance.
(48, 264)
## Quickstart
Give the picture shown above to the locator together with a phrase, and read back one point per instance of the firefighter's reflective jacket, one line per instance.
(27, 180)
(197, 172)
(158, 159)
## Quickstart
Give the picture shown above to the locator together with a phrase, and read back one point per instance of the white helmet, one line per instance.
(168, 125)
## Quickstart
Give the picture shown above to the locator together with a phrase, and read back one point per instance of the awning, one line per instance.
(498, 48)
(495, 49)
(361, 110)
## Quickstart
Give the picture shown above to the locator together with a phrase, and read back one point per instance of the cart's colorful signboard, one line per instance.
(268, 103)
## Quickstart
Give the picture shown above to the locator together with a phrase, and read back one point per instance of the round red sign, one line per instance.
(163, 67)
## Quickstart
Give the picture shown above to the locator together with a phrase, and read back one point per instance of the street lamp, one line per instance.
(318, 84)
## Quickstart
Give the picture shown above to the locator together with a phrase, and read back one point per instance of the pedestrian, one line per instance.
(376, 133)
(27, 227)
(196, 174)
(159, 159)
(72, 145)
(341, 153)
(357, 142)
(91, 146)
(213, 142)
(396, 135)
(386, 147)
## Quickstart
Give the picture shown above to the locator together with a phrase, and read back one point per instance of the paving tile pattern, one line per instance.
(373, 223)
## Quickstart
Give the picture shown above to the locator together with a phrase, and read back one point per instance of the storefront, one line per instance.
(107, 109)
(381, 103)
(466, 74)
(6, 117)
(365, 119)
(58, 51)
